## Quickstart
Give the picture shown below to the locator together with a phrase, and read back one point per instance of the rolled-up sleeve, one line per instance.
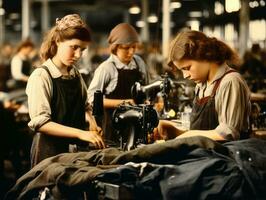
(39, 89)
(233, 106)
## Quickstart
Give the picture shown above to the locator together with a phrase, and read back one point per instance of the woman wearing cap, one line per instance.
(57, 94)
(116, 75)
(222, 98)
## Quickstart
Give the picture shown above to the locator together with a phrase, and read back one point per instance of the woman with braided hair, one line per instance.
(222, 98)
(57, 95)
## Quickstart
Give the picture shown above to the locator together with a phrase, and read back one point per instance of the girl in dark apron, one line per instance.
(57, 95)
(115, 76)
(222, 102)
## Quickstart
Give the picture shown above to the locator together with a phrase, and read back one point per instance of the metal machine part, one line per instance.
(141, 93)
(134, 124)
(173, 95)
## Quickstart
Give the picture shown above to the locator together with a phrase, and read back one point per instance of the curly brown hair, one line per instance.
(196, 45)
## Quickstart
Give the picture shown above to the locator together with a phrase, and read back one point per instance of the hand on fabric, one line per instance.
(58, 130)
(94, 137)
(167, 130)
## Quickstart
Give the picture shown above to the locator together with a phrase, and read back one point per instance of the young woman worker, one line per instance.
(221, 106)
(116, 75)
(57, 94)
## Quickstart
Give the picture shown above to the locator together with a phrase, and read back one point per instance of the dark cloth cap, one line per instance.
(123, 33)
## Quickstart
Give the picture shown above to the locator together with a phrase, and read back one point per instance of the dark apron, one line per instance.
(204, 115)
(68, 108)
(126, 79)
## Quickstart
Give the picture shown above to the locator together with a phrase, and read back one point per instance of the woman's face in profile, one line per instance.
(197, 71)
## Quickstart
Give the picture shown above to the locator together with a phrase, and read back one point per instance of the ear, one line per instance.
(57, 42)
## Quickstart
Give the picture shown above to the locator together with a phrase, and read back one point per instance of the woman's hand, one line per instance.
(94, 137)
(167, 130)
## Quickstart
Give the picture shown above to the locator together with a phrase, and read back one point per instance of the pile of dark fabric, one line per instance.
(187, 168)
